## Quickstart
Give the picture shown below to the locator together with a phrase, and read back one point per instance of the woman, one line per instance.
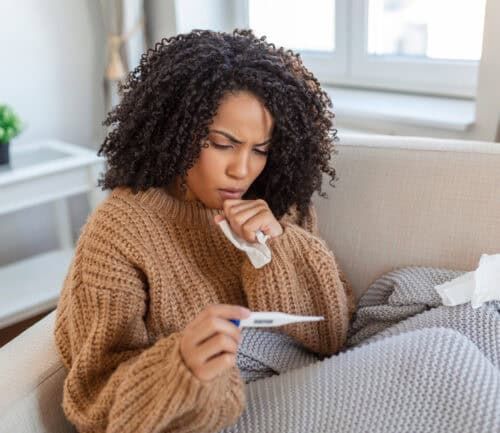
(142, 320)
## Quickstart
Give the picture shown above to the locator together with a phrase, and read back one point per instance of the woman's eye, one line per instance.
(261, 152)
(220, 146)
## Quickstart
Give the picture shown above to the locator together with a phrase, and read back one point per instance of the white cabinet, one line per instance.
(41, 172)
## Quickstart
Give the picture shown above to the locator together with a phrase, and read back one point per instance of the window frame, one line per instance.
(351, 65)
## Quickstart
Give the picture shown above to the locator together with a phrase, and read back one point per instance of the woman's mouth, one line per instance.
(225, 194)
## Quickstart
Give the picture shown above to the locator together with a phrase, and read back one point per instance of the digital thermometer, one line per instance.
(265, 319)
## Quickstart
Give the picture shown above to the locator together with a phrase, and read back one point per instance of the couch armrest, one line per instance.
(32, 382)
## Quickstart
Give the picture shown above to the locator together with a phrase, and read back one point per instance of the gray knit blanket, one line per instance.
(410, 364)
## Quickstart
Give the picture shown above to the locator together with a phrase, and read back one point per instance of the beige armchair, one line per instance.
(399, 201)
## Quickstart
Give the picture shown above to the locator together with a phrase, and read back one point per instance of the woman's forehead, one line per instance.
(243, 116)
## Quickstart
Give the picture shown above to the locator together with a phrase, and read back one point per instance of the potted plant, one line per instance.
(10, 127)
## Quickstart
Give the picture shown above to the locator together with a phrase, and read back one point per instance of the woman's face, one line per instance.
(239, 136)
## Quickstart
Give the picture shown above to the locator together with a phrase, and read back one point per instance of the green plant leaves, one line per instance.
(10, 124)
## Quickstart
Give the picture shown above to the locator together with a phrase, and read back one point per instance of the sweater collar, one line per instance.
(186, 212)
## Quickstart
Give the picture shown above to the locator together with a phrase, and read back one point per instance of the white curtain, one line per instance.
(125, 42)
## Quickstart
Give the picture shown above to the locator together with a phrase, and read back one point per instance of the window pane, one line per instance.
(437, 29)
(295, 24)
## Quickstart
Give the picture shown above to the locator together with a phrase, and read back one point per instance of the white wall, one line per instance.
(51, 74)
(51, 68)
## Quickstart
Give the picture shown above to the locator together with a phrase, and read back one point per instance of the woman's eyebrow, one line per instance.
(235, 140)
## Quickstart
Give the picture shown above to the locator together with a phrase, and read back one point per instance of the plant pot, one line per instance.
(4, 153)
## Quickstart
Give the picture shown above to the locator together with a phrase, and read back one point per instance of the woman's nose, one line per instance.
(238, 166)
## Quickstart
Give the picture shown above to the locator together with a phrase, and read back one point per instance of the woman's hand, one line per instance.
(247, 216)
(209, 343)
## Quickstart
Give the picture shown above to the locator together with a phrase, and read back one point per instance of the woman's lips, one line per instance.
(228, 194)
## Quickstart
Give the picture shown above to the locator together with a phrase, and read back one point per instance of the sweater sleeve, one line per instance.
(303, 278)
(118, 379)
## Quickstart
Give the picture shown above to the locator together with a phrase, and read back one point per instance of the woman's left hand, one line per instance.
(247, 216)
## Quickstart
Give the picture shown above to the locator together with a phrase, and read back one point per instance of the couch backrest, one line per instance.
(403, 201)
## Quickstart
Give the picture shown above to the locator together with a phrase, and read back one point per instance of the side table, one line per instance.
(41, 172)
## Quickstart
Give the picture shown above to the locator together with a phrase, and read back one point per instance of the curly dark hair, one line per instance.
(169, 100)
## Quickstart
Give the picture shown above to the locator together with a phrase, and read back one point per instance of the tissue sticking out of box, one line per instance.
(479, 286)
(457, 291)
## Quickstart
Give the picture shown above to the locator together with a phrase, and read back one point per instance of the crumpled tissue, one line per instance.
(258, 252)
(479, 286)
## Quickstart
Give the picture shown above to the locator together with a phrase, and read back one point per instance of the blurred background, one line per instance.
(399, 67)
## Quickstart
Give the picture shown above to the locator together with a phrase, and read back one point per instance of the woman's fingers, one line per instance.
(243, 205)
(217, 365)
(215, 318)
(210, 341)
(213, 325)
(214, 346)
(256, 222)
(245, 219)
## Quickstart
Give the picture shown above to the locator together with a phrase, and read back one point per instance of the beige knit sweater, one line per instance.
(145, 265)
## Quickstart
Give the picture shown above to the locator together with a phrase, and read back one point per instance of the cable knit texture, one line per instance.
(145, 265)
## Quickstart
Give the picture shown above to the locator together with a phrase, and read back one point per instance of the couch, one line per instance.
(399, 201)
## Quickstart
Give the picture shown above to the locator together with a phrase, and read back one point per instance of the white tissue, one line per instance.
(479, 286)
(487, 280)
(258, 252)
(457, 291)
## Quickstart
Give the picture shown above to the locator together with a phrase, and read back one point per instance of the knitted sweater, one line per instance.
(145, 265)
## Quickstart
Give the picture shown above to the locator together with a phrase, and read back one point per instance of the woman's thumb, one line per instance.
(218, 218)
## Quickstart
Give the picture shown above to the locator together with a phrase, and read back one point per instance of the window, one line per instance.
(320, 37)
(426, 46)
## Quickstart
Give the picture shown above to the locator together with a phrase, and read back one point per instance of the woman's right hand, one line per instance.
(209, 343)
